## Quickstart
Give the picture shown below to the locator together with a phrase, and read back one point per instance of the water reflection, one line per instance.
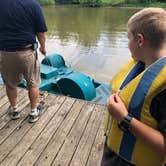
(92, 40)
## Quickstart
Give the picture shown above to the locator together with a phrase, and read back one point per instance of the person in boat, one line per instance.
(136, 134)
(21, 21)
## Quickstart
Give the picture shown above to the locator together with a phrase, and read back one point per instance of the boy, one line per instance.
(137, 134)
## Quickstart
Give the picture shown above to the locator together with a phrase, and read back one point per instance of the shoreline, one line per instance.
(121, 5)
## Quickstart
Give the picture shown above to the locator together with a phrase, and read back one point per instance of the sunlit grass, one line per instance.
(46, 2)
(132, 3)
(154, 4)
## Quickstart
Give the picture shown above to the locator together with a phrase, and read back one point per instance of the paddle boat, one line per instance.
(58, 78)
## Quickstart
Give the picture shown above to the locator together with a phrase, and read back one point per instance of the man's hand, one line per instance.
(43, 51)
(41, 39)
(116, 107)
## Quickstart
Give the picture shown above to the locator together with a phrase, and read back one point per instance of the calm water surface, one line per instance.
(92, 40)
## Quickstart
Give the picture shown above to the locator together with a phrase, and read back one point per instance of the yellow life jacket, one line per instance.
(137, 92)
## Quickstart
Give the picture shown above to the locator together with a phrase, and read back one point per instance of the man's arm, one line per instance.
(41, 38)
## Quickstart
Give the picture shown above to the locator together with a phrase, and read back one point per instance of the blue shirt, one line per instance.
(20, 20)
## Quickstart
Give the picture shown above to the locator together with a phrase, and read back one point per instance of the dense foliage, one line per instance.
(99, 2)
(46, 2)
(85, 2)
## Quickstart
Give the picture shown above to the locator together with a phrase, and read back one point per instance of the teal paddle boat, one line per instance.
(57, 78)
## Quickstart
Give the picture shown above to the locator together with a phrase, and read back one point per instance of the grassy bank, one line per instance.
(120, 3)
(157, 4)
(132, 4)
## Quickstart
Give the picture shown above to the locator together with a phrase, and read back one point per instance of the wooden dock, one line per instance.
(69, 132)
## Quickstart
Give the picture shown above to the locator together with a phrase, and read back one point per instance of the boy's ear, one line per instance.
(140, 39)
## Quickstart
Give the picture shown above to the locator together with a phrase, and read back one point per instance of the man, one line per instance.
(21, 21)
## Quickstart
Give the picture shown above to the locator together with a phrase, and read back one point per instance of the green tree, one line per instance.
(92, 3)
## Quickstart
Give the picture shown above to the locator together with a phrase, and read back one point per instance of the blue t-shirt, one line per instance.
(20, 20)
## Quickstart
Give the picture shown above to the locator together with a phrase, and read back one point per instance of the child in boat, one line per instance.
(137, 132)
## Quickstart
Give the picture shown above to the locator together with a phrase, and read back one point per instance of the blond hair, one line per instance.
(151, 22)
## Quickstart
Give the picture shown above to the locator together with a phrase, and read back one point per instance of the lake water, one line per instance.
(92, 40)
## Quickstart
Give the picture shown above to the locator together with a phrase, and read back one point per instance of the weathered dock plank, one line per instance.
(13, 158)
(16, 136)
(97, 149)
(72, 140)
(12, 125)
(53, 147)
(39, 144)
(69, 132)
(85, 145)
